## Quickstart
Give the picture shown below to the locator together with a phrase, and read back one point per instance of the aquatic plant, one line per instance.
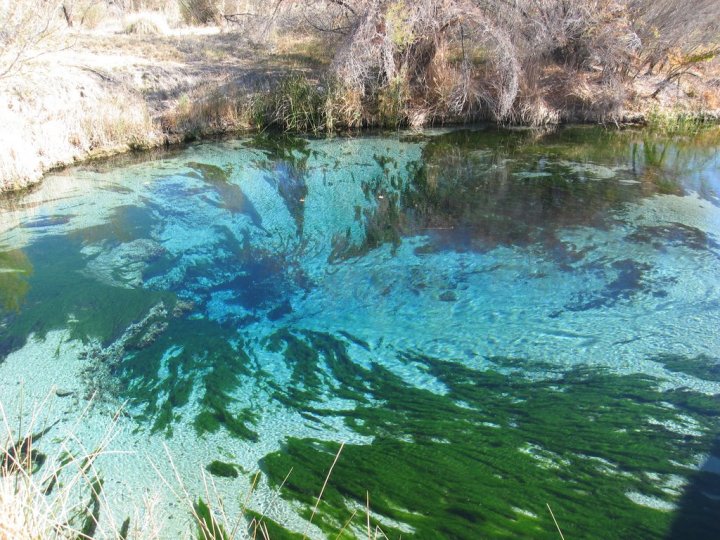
(272, 293)
(492, 425)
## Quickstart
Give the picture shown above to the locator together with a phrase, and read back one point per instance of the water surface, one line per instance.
(491, 321)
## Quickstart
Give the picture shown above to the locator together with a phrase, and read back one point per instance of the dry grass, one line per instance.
(48, 497)
(61, 496)
(148, 23)
(79, 114)
(209, 109)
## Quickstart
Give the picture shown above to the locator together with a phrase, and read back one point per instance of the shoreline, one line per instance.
(177, 141)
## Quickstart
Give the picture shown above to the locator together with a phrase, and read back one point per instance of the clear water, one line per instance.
(493, 322)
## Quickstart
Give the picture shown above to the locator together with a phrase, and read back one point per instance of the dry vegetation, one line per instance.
(61, 496)
(529, 62)
(85, 77)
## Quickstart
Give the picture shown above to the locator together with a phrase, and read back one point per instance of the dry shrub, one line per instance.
(210, 109)
(342, 108)
(146, 23)
(447, 57)
(462, 59)
(711, 99)
(532, 106)
(201, 11)
(592, 100)
(667, 25)
(28, 28)
(86, 13)
(94, 15)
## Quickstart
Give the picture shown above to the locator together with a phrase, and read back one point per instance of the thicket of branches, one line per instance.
(27, 28)
(415, 61)
(528, 61)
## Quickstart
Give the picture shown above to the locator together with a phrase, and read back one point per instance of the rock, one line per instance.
(152, 334)
(182, 307)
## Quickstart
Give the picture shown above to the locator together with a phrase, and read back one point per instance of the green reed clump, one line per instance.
(298, 104)
(677, 121)
(294, 105)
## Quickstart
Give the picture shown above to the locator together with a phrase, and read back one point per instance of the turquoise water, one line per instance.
(493, 322)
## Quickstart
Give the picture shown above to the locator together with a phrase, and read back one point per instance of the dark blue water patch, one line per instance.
(261, 283)
(277, 313)
(630, 280)
(47, 221)
(227, 194)
(176, 187)
(674, 234)
(237, 275)
(699, 506)
(124, 224)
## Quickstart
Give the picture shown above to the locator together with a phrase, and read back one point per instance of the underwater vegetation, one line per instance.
(491, 323)
(485, 458)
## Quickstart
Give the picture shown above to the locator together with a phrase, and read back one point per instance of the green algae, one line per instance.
(222, 469)
(208, 364)
(703, 366)
(260, 525)
(578, 440)
(92, 512)
(208, 527)
(15, 269)
(124, 529)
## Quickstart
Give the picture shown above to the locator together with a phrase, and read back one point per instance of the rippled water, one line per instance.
(493, 322)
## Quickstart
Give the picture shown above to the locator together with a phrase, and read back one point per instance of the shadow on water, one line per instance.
(698, 514)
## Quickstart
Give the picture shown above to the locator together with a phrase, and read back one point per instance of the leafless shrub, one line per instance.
(487, 58)
(27, 29)
(201, 11)
(448, 58)
(664, 26)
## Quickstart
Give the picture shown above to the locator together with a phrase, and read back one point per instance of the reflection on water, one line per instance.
(493, 321)
(15, 268)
